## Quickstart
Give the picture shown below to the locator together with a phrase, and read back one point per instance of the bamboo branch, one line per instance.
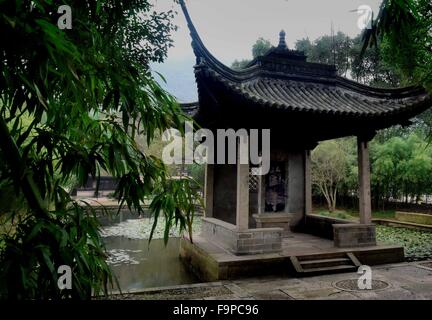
(22, 176)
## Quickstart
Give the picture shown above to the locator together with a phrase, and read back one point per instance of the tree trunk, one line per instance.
(327, 196)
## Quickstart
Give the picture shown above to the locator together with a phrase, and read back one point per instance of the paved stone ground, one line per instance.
(407, 281)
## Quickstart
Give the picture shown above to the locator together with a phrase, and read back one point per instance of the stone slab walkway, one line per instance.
(404, 281)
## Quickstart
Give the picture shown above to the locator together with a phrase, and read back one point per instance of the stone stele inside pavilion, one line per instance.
(257, 220)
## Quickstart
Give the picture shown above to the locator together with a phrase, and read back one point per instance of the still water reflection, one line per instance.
(138, 266)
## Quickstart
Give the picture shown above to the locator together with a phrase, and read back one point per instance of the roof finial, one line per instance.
(282, 42)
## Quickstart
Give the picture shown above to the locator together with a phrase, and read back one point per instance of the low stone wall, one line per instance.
(251, 241)
(354, 235)
(402, 224)
(321, 226)
(419, 218)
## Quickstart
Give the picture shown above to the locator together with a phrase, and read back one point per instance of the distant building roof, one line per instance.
(190, 108)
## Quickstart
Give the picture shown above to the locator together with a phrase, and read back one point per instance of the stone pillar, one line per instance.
(242, 202)
(308, 183)
(296, 188)
(261, 194)
(364, 181)
(208, 190)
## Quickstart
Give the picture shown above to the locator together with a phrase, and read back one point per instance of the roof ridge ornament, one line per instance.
(282, 42)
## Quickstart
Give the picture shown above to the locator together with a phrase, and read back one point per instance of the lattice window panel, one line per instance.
(253, 181)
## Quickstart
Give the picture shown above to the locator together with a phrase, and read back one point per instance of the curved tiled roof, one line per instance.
(332, 98)
(283, 80)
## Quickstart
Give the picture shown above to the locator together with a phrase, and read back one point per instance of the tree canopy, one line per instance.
(260, 48)
(405, 29)
(344, 52)
(328, 50)
(329, 167)
(72, 103)
(401, 168)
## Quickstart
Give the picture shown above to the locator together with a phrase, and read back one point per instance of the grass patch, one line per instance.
(339, 214)
(384, 214)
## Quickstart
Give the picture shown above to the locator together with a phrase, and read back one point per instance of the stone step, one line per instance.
(323, 263)
(322, 256)
(333, 269)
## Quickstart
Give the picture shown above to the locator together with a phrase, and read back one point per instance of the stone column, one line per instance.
(208, 190)
(308, 183)
(261, 194)
(296, 188)
(364, 181)
(242, 203)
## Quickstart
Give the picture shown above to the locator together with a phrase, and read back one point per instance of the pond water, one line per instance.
(138, 265)
(417, 243)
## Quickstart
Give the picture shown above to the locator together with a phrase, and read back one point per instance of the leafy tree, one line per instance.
(328, 50)
(371, 68)
(405, 29)
(85, 95)
(389, 161)
(304, 45)
(240, 64)
(402, 30)
(401, 167)
(260, 48)
(345, 53)
(330, 164)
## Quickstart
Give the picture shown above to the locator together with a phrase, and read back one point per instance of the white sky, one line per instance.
(229, 28)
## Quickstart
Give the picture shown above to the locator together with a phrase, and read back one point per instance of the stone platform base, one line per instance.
(241, 242)
(274, 220)
(211, 263)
